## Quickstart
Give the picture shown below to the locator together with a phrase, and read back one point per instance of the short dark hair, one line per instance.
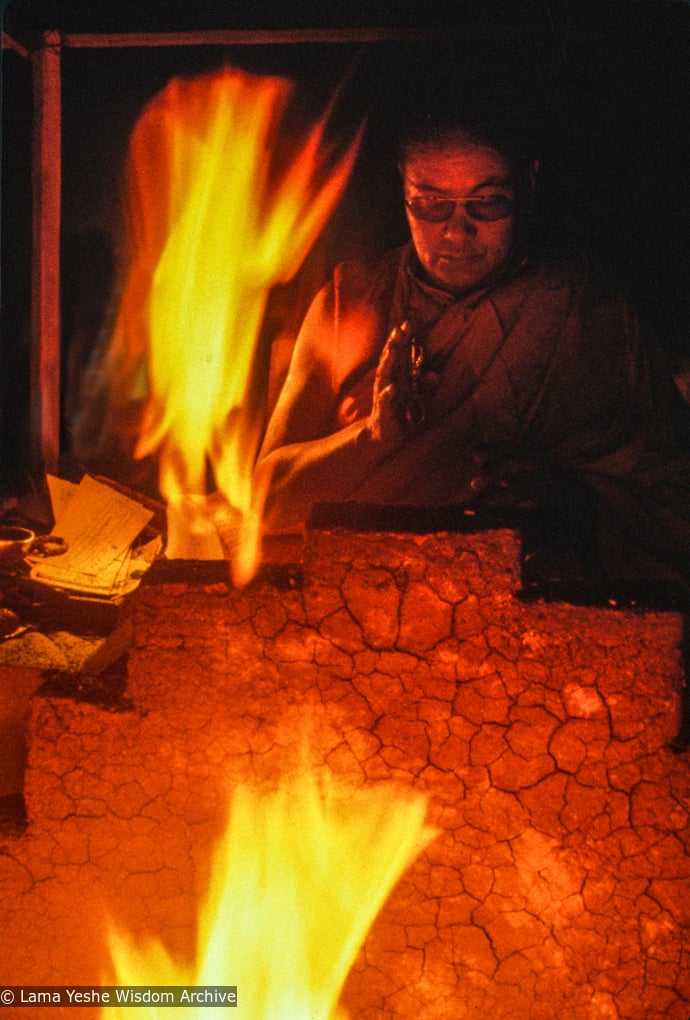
(431, 131)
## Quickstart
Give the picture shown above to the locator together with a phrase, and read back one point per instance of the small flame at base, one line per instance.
(297, 882)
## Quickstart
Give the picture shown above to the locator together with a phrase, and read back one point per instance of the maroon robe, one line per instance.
(544, 375)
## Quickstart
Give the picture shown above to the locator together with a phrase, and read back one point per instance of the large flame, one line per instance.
(297, 882)
(215, 225)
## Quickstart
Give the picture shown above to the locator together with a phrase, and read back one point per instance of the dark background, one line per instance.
(608, 82)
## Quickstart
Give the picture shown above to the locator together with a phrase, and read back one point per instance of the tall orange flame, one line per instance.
(213, 229)
(298, 880)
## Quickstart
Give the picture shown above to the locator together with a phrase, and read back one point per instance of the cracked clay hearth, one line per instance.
(559, 883)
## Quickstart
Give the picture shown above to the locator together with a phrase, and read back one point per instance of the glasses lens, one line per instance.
(429, 209)
(486, 210)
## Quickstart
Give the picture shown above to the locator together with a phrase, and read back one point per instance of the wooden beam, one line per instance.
(45, 297)
(252, 37)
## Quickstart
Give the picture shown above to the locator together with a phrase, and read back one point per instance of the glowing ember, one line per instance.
(214, 226)
(296, 885)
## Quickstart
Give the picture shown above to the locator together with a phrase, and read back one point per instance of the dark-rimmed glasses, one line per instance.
(432, 209)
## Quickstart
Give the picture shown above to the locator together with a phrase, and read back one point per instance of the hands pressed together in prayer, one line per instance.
(391, 413)
(334, 466)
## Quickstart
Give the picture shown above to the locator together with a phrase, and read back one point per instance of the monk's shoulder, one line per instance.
(575, 279)
(367, 281)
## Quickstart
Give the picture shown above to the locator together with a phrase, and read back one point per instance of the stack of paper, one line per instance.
(98, 525)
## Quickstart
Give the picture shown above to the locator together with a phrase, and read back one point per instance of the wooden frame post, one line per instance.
(45, 297)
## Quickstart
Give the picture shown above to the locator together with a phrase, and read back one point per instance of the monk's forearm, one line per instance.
(298, 476)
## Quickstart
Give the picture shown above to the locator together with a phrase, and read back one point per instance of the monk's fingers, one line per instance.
(392, 356)
(385, 421)
(387, 396)
(397, 343)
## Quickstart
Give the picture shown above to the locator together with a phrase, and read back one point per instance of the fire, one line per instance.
(214, 226)
(297, 882)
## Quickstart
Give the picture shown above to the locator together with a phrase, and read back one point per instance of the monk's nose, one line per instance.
(460, 223)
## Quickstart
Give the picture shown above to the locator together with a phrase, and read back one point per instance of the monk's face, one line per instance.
(460, 203)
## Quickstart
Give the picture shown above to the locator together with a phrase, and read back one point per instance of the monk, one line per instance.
(467, 369)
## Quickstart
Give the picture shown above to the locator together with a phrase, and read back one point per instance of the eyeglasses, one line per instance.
(431, 209)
